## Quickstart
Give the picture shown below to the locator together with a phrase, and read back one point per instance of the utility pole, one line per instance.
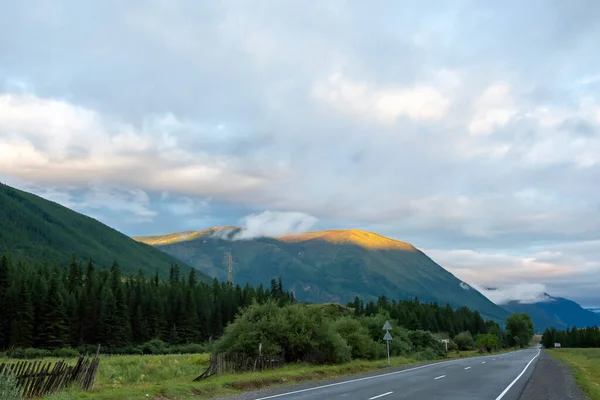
(228, 260)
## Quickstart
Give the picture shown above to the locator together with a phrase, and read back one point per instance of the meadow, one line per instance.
(585, 363)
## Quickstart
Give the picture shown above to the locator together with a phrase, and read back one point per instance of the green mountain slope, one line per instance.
(42, 230)
(330, 266)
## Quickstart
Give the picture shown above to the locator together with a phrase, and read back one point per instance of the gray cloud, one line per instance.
(462, 125)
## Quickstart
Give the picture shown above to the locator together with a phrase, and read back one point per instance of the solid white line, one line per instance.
(517, 378)
(380, 395)
(361, 379)
(468, 368)
(440, 377)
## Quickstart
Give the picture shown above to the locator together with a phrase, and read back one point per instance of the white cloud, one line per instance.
(52, 140)
(493, 109)
(386, 104)
(525, 293)
(433, 122)
(275, 223)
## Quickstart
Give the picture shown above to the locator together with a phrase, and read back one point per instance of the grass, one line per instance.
(171, 377)
(585, 364)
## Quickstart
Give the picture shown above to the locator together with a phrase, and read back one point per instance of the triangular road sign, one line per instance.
(387, 336)
(387, 326)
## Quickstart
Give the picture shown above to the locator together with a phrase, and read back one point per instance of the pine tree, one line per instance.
(22, 324)
(54, 328)
(74, 274)
(4, 303)
(192, 278)
(107, 317)
(188, 328)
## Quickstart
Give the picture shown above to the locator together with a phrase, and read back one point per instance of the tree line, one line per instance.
(572, 337)
(51, 307)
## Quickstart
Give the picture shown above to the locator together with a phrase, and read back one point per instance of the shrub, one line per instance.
(28, 353)
(427, 354)
(65, 353)
(357, 337)
(8, 387)
(422, 340)
(464, 341)
(298, 332)
(487, 342)
(400, 344)
(452, 346)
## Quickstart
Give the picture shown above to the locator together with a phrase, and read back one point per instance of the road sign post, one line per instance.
(387, 337)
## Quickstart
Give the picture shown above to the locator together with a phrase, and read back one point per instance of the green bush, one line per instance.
(28, 353)
(8, 387)
(452, 346)
(297, 332)
(427, 354)
(357, 337)
(423, 340)
(464, 341)
(400, 344)
(66, 352)
(487, 342)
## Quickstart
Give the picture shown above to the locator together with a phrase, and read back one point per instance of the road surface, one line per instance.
(495, 377)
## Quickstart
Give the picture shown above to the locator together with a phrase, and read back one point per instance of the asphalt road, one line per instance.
(492, 377)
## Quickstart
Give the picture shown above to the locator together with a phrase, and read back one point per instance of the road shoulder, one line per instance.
(551, 380)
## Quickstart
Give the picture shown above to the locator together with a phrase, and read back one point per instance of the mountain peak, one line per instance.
(357, 237)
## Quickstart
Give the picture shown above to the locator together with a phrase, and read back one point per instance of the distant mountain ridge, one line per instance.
(556, 312)
(44, 231)
(326, 266)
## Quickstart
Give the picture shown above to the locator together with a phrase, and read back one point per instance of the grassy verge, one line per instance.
(170, 376)
(585, 364)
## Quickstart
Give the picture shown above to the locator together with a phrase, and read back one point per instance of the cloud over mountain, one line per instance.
(460, 125)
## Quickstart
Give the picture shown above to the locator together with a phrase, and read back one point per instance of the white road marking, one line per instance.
(517, 378)
(380, 395)
(440, 377)
(493, 359)
(359, 379)
(468, 368)
(483, 362)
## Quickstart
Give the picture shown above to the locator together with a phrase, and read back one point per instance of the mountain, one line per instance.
(328, 266)
(41, 230)
(594, 310)
(556, 312)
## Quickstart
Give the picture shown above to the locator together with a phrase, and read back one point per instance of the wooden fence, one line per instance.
(39, 378)
(224, 363)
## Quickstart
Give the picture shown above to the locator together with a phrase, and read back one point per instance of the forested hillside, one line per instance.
(40, 230)
(328, 266)
(50, 308)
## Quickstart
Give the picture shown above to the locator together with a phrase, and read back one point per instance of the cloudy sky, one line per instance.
(470, 129)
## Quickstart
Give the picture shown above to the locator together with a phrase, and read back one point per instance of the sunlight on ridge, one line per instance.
(358, 237)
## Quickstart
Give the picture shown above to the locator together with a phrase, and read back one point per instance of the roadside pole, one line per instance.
(387, 337)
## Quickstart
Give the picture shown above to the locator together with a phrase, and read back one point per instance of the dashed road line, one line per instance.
(440, 377)
(468, 368)
(380, 395)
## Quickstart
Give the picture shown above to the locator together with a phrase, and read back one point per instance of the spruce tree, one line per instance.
(54, 329)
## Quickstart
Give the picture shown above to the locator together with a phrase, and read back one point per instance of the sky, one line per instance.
(469, 129)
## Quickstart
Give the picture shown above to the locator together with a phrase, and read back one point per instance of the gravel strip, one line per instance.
(552, 380)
